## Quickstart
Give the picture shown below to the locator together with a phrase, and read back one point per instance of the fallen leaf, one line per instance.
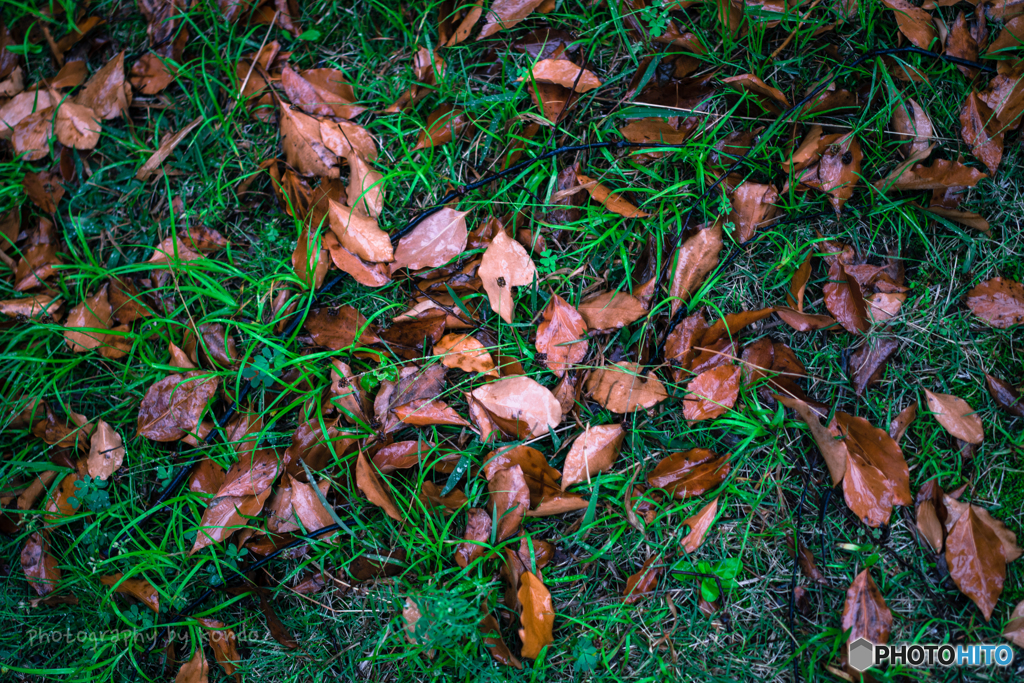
(173, 406)
(845, 301)
(561, 336)
(798, 284)
(865, 614)
(805, 558)
(510, 499)
(348, 140)
(86, 325)
(475, 539)
(466, 353)
(699, 524)
(225, 646)
(566, 74)
(644, 581)
(444, 124)
(166, 147)
(226, 515)
(592, 452)
(106, 92)
(611, 311)
(621, 388)
(303, 146)
(900, 423)
(195, 670)
(1005, 396)
(753, 205)
(712, 393)
(961, 43)
(135, 587)
(868, 362)
(999, 302)
(339, 328)
(33, 306)
(832, 450)
(911, 123)
(537, 617)
(321, 92)
(956, 416)
(981, 130)
(106, 451)
(520, 406)
(504, 14)
(690, 473)
(695, 258)
(436, 240)
(430, 493)
(770, 98)
(39, 565)
(375, 488)
(493, 641)
(365, 187)
(976, 563)
(505, 264)
(942, 174)
(360, 234)
(612, 201)
(916, 24)
(76, 126)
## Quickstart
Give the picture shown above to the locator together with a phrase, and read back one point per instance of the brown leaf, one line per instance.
(173, 406)
(225, 646)
(982, 131)
(680, 346)
(753, 205)
(252, 474)
(804, 322)
(712, 393)
(505, 264)
(798, 285)
(375, 488)
(999, 302)
(303, 146)
(465, 353)
(644, 581)
(493, 642)
(1005, 396)
(561, 336)
(207, 477)
(961, 43)
(911, 123)
(34, 306)
(566, 74)
(699, 524)
(226, 515)
(348, 140)
(436, 240)
(868, 362)
(360, 234)
(655, 129)
(77, 126)
(621, 388)
(537, 617)
(33, 133)
(339, 328)
(106, 92)
(135, 587)
(21, 107)
(86, 322)
(900, 423)
(195, 670)
(365, 187)
(430, 493)
(845, 301)
(611, 311)
(770, 98)
(975, 561)
(916, 24)
(166, 147)
(832, 450)
(504, 14)
(478, 534)
(510, 499)
(877, 476)
(695, 258)
(106, 451)
(425, 412)
(520, 406)
(444, 124)
(612, 201)
(39, 565)
(929, 511)
(806, 561)
(942, 174)
(592, 452)
(865, 613)
(539, 475)
(956, 416)
(690, 473)
(321, 92)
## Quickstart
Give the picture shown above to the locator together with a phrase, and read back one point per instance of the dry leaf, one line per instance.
(538, 615)
(999, 302)
(958, 418)
(593, 451)
(106, 92)
(365, 187)
(621, 388)
(505, 264)
(439, 238)
(770, 98)
(805, 558)
(561, 336)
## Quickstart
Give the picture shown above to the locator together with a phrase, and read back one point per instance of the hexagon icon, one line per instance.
(861, 654)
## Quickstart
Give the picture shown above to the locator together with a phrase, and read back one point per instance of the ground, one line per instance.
(111, 223)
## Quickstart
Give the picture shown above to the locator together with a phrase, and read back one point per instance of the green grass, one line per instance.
(111, 222)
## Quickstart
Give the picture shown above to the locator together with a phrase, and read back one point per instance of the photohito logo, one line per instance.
(863, 654)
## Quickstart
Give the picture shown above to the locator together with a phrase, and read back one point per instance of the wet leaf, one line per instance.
(494, 644)
(365, 187)
(225, 646)
(690, 473)
(444, 124)
(832, 450)
(942, 174)
(173, 406)
(561, 336)
(435, 241)
(226, 515)
(613, 201)
(999, 302)
(976, 563)
(699, 524)
(753, 205)
(106, 92)
(167, 145)
(845, 301)
(644, 581)
(798, 285)
(106, 451)
(195, 670)
(911, 122)
(135, 587)
(770, 98)
(868, 362)
(566, 74)
(39, 565)
(611, 311)
(520, 406)
(304, 148)
(475, 539)
(929, 511)
(621, 388)
(916, 24)
(339, 328)
(865, 613)
(961, 43)
(505, 264)
(76, 126)
(360, 234)
(956, 416)
(712, 393)
(86, 322)
(838, 171)
(321, 92)
(902, 421)
(877, 477)
(348, 140)
(33, 306)
(537, 617)
(592, 452)
(806, 561)
(695, 258)
(375, 488)
(504, 14)
(1005, 395)
(510, 499)
(982, 131)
